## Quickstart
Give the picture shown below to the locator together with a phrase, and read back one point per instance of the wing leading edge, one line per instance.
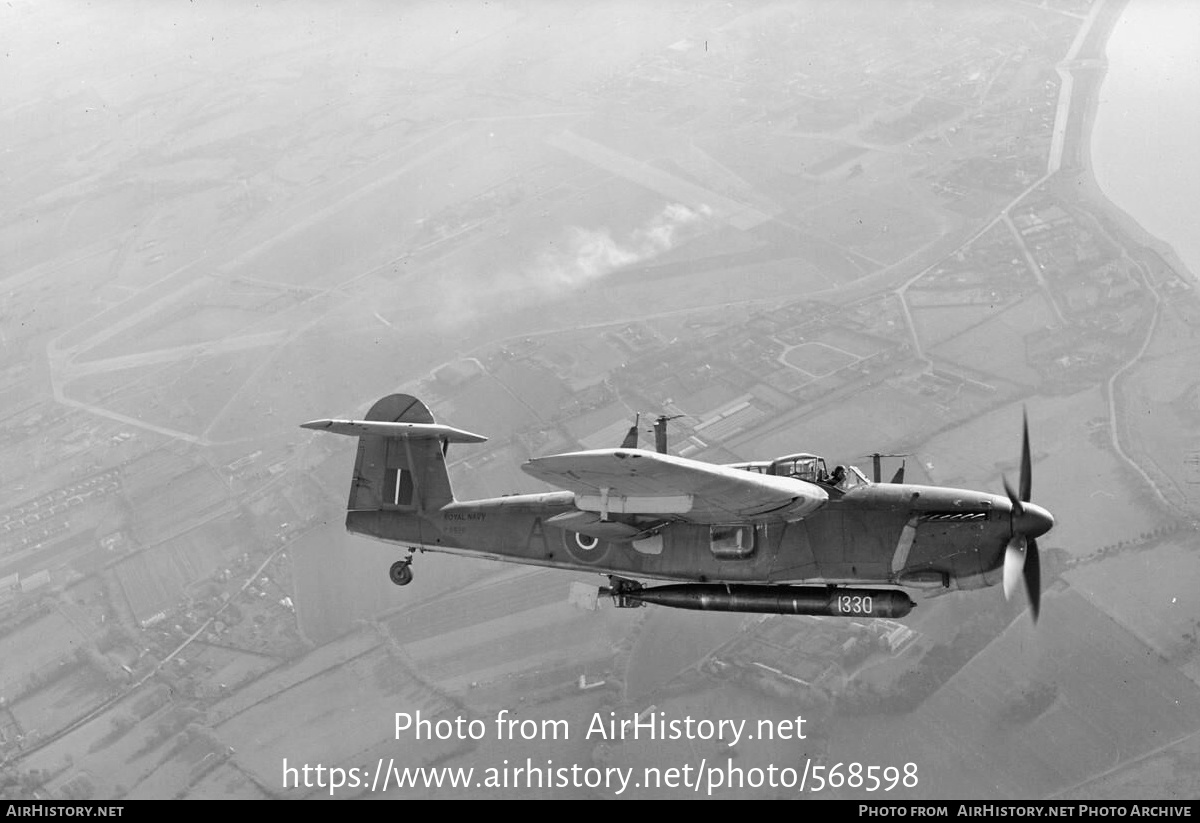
(634, 481)
(383, 428)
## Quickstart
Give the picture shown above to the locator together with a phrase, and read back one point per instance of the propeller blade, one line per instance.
(1033, 578)
(898, 477)
(1018, 509)
(1022, 561)
(1026, 468)
(1014, 565)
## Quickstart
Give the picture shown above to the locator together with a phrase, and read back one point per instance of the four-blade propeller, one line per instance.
(1021, 559)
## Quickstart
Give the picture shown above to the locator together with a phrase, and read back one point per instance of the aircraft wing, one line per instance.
(634, 481)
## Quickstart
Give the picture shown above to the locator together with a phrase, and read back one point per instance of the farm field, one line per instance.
(963, 746)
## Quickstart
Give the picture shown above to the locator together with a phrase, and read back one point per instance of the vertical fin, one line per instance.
(400, 473)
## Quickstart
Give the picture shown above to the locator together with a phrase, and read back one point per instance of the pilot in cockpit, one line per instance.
(847, 478)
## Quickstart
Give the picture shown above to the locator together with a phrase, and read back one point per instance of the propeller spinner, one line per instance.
(1021, 559)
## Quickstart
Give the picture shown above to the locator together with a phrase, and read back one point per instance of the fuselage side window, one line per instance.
(731, 542)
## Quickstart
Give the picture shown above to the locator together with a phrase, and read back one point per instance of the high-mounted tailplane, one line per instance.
(401, 463)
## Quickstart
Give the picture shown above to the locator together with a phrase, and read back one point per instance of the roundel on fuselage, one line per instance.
(584, 548)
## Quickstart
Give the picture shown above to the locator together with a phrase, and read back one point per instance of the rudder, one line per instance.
(402, 473)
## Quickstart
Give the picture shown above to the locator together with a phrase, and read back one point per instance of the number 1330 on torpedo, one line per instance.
(782, 536)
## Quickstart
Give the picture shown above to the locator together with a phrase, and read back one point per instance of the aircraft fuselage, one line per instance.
(922, 536)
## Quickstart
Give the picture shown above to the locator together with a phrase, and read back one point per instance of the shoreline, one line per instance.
(1078, 184)
(1078, 171)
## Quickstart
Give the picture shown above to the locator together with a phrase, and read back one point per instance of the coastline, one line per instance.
(1077, 178)
(1077, 183)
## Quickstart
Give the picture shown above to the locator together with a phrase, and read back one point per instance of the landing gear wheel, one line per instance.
(401, 572)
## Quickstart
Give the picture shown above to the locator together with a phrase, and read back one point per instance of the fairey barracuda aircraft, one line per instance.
(781, 536)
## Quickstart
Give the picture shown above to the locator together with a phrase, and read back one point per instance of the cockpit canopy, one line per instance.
(809, 468)
(802, 466)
